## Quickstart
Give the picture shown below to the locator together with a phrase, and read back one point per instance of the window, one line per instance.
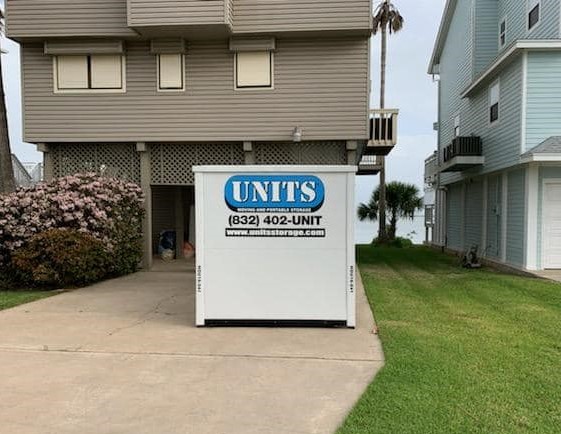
(502, 33)
(254, 69)
(534, 13)
(494, 99)
(171, 72)
(95, 72)
(457, 126)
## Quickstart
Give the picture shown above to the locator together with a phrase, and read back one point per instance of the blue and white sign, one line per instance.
(274, 193)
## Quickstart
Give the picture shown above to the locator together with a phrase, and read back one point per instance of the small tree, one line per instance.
(386, 19)
(402, 200)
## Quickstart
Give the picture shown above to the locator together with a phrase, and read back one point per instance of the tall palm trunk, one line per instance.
(382, 232)
(7, 183)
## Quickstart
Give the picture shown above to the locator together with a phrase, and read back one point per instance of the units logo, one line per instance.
(274, 193)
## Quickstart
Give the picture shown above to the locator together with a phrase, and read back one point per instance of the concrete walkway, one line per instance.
(124, 357)
(554, 275)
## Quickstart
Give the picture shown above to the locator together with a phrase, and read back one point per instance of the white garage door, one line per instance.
(552, 226)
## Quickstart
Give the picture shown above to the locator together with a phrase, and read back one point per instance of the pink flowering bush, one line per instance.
(61, 258)
(108, 209)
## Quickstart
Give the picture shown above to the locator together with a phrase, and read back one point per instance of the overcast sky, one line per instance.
(409, 88)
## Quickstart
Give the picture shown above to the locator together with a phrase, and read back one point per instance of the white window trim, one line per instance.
(505, 21)
(457, 123)
(529, 4)
(254, 88)
(493, 84)
(183, 66)
(123, 89)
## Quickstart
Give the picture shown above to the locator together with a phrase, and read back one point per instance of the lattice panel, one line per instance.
(321, 153)
(119, 160)
(171, 163)
(277, 153)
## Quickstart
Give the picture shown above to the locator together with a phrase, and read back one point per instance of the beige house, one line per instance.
(147, 89)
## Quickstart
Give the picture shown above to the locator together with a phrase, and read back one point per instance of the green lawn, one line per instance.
(466, 351)
(14, 298)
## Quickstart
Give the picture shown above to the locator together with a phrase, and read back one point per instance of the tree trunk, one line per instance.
(393, 227)
(7, 183)
(382, 232)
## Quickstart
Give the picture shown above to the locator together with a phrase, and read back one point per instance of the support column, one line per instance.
(179, 223)
(463, 217)
(48, 163)
(504, 215)
(192, 226)
(352, 146)
(249, 153)
(484, 209)
(531, 217)
(147, 253)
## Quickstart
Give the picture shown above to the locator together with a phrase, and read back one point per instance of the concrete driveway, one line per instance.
(124, 356)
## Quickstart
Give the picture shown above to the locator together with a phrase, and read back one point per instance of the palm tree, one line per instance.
(7, 182)
(386, 19)
(402, 200)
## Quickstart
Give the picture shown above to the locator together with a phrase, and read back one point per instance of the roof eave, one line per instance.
(514, 49)
(442, 35)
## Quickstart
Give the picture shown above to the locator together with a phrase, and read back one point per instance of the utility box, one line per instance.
(275, 244)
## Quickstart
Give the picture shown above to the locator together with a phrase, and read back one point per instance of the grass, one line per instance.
(466, 351)
(10, 299)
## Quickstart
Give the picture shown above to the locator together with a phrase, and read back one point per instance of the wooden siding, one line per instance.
(301, 15)
(543, 109)
(515, 218)
(473, 214)
(320, 85)
(176, 12)
(54, 18)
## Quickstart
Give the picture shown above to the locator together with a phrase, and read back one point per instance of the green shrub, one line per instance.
(397, 242)
(62, 258)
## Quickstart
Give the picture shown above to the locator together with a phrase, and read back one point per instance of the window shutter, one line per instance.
(72, 72)
(171, 71)
(106, 71)
(253, 69)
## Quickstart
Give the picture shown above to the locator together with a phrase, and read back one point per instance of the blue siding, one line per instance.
(516, 16)
(501, 141)
(455, 69)
(515, 218)
(454, 217)
(473, 213)
(494, 199)
(545, 173)
(543, 114)
(486, 34)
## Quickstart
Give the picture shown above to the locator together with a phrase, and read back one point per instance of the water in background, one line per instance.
(414, 229)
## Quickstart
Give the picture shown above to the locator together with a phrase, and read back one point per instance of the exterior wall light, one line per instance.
(297, 135)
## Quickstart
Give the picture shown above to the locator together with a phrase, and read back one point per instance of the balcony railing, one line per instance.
(383, 131)
(463, 147)
(462, 154)
(369, 165)
(431, 168)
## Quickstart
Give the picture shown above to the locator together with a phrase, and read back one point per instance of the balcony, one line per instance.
(185, 18)
(383, 132)
(369, 165)
(462, 154)
(431, 169)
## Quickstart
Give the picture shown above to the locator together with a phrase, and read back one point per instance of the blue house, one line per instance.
(497, 171)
